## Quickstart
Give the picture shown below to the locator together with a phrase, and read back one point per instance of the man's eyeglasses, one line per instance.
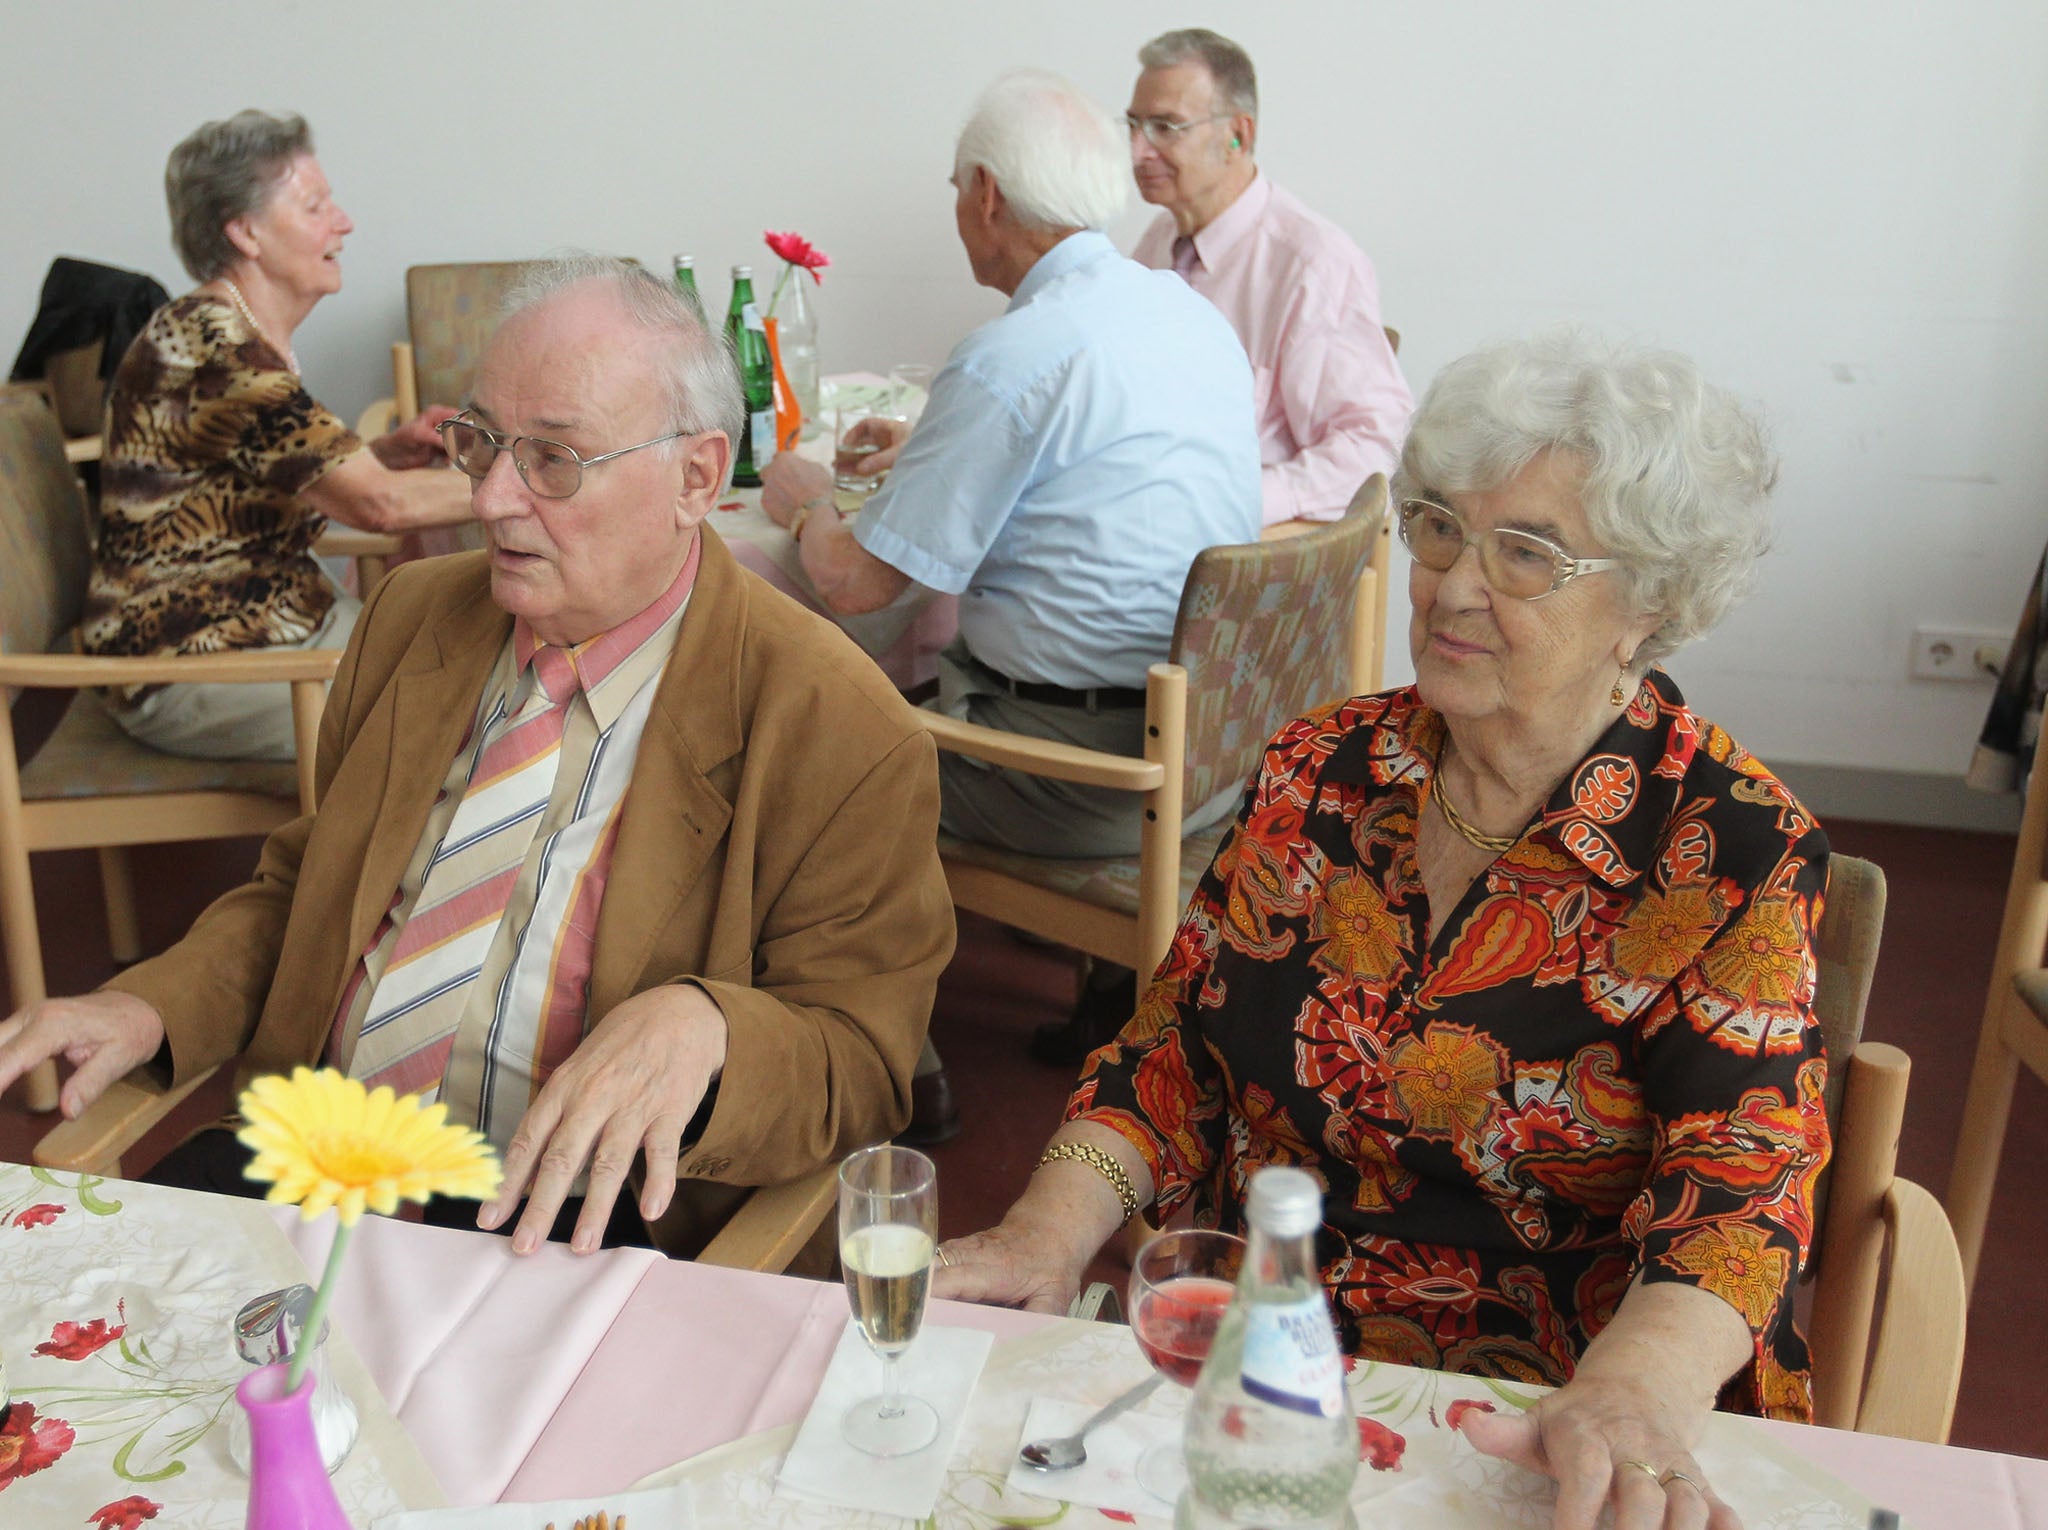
(1518, 564)
(1166, 132)
(550, 469)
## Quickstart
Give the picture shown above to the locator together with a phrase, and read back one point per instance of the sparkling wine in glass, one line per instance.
(888, 1228)
(1181, 1284)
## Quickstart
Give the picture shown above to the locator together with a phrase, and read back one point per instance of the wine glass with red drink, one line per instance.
(1181, 1283)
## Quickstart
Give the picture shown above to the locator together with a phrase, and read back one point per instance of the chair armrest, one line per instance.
(774, 1223)
(1042, 757)
(347, 542)
(246, 666)
(113, 1123)
(380, 417)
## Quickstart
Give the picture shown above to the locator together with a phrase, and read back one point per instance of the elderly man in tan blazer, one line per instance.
(622, 853)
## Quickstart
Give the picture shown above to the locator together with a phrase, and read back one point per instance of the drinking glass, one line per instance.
(888, 1227)
(1181, 1284)
(845, 454)
(910, 383)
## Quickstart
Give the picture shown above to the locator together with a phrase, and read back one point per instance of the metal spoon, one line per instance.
(1057, 1455)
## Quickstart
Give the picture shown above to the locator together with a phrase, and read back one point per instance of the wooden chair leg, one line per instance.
(1985, 1112)
(117, 885)
(23, 941)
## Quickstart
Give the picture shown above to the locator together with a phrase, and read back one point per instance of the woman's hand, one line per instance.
(1608, 1440)
(790, 481)
(416, 443)
(1004, 1266)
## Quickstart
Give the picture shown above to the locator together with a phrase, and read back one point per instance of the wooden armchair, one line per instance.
(1897, 1374)
(2014, 1029)
(90, 785)
(1257, 641)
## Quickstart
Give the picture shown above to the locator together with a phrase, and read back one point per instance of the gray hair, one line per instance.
(224, 171)
(700, 380)
(1237, 85)
(1677, 473)
(1061, 160)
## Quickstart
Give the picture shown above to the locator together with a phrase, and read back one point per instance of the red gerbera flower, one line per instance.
(75, 1341)
(799, 252)
(28, 1446)
(39, 1216)
(123, 1514)
(1378, 1446)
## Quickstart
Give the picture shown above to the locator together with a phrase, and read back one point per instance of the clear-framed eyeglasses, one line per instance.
(1167, 132)
(550, 469)
(1518, 564)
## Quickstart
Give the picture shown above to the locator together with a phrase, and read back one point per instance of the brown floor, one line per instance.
(1946, 893)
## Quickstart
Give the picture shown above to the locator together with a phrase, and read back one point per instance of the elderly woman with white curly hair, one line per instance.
(1517, 959)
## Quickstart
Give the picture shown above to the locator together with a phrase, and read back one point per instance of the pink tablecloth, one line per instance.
(555, 1376)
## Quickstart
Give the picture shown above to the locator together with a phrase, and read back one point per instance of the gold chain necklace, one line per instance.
(242, 303)
(1496, 844)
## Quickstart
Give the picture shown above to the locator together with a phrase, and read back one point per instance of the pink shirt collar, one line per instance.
(595, 658)
(1223, 233)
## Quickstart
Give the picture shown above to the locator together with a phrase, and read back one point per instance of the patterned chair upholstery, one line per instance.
(1257, 638)
(90, 785)
(451, 312)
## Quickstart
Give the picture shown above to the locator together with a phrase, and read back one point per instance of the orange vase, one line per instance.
(789, 415)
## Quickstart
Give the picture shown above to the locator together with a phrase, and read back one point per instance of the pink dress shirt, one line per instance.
(1332, 405)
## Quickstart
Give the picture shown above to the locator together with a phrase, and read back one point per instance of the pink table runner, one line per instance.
(555, 1376)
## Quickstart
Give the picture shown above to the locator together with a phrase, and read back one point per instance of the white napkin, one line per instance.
(941, 1367)
(1108, 1479)
(663, 1508)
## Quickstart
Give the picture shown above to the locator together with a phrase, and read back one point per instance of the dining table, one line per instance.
(485, 1377)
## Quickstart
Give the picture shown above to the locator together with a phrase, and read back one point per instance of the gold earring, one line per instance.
(1618, 696)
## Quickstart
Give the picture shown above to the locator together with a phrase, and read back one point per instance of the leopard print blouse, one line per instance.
(204, 542)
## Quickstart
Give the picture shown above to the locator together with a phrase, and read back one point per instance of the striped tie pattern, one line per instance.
(416, 1008)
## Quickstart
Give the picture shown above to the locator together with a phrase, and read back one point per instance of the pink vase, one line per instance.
(288, 1486)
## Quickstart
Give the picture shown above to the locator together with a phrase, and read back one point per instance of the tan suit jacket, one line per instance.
(778, 848)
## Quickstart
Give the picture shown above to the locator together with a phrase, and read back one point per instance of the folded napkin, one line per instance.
(941, 1368)
(663, 1508)
(1108, 1479)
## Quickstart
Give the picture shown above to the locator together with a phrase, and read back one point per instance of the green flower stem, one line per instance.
(309, 1336)
(780, 282)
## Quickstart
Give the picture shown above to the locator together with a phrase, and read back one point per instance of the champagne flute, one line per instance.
(888, 1228)
(1181, 1285)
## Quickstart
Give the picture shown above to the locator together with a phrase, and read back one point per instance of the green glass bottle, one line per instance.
(686, 283)
(749, 340)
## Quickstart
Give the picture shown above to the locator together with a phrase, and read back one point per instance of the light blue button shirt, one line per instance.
(1075, 455)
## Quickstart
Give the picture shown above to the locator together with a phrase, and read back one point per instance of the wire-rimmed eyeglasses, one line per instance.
(1519, 564)
(550, 469)
(1166, 132)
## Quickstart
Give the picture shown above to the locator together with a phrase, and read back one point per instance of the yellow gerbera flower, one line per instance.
(323, 1140)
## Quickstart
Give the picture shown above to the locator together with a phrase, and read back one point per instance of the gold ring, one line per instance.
(1673, 1474)
(945, 1259)
(1645, 1467)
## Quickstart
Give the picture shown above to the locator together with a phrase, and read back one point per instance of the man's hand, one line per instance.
(789, 481)
(416, 443)
(102, 1035)
(632, 1084)
(883, 436)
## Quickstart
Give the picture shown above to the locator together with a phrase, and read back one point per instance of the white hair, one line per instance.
(1061, 160)
(1677, 473)
(700, 380)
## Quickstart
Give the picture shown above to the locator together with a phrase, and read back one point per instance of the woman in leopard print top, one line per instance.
(220, 468)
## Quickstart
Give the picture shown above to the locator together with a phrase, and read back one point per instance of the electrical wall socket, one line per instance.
(1952, 653)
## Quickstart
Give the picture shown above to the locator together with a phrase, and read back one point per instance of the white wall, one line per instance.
(1838, 206)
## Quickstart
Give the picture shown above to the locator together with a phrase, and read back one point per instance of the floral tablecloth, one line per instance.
(1415, 1471)
(116, 1322)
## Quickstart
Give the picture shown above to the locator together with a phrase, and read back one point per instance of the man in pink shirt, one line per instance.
(1330, 401)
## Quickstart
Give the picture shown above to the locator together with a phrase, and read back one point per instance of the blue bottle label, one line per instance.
(1291, 1358)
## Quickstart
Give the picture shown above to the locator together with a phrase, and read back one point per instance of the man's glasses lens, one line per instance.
(550, 470)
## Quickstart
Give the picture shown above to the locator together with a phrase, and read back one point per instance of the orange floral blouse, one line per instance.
(1605, 1063)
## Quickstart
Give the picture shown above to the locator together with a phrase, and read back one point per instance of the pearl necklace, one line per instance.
(291, 356)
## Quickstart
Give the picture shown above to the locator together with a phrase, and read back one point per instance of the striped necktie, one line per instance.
(409, 1027)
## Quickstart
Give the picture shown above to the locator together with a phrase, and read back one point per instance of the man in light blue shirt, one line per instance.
(1076, 454)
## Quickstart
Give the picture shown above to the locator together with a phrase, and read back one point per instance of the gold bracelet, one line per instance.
(1101, 1163)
